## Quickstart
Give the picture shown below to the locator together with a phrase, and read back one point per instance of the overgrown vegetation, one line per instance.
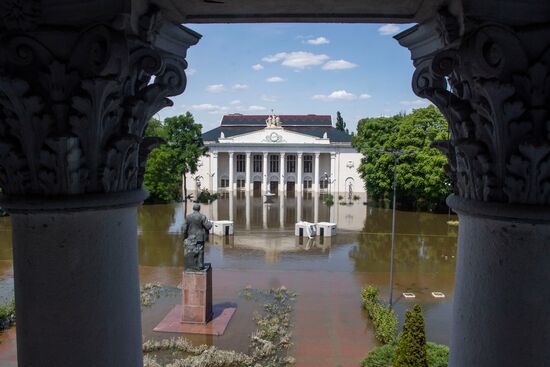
(206, 197)
(421, 181)
(268, 345)
(410, 349)
(328, 200)
(150, 292)
(7, 315)
(383, 317)
(438, 356)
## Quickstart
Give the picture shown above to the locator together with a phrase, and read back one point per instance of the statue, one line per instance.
(195, 233)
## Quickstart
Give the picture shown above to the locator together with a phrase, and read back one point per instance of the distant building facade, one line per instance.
(278, 154)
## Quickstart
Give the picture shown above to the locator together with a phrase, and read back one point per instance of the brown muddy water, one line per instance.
(328, 274)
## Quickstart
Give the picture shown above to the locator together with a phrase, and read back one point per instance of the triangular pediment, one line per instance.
(274, 136)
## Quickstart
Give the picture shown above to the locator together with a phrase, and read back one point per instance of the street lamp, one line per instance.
(396, 154)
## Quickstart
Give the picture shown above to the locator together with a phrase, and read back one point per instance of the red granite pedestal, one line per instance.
(196, 298)
(196, 315)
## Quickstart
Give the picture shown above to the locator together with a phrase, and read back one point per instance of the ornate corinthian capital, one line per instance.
(74, 103)
(493, 86)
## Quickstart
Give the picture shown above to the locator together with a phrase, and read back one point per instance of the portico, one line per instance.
(297, 154)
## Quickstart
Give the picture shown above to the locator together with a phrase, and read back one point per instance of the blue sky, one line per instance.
(357, 69)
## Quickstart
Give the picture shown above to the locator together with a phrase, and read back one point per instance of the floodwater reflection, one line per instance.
(327, 272)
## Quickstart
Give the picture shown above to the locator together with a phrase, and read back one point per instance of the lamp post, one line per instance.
(327, 182)
(395, 154)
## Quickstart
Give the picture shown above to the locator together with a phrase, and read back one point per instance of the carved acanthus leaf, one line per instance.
(74, 123)
(498, 108)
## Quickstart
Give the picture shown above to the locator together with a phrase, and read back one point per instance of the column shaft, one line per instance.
(214, 171)
(282, 173)
(265, 174)
(316, 174)
(77, 286)
(299, 171)
(247, 172)
(501, 289)
(332, 179)
(231, 172)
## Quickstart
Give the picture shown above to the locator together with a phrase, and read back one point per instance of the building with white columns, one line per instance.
(278, 154)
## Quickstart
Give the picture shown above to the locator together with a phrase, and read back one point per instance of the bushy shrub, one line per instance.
(383, 317)
(356, 197)
(7, 314)
(329, 200)
(205, 197)
(438, 356)
(380, 357)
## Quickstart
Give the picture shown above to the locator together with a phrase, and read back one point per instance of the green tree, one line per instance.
(411, 349)
(184, 136)
(340, 123)
(168, 164)
(421, 180)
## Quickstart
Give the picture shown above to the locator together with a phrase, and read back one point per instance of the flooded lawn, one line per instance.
(330, 327)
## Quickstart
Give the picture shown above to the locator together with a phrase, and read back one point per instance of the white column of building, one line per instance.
(247, 172)
(315, 185)
(300, 170)
(332, 180)
(231, 172)
(265, 174)
(214, 171)
(282, 173)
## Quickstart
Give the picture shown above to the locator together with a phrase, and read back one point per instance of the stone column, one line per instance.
(299, 172)
(332, 179)
(265, 174)
(282, 173)
(75, 100)
(315, 185)
(214, 171)
(247, 209)
(247, 173)
(498, 108)
(231, 172)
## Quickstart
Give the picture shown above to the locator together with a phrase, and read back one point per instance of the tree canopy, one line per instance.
(168, 164)
(421, 180)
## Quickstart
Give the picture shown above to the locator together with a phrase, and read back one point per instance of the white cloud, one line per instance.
(318, 41)
(190, 71)
(388, 29)
(215, 88)
(415, 102)
(256, 108)
(364, 96)
(267, 98)
(205, 107)
(235, 102)
(275, 79)
(257, 67)
(240, 86)
(297, 59)
(339, 65)
(337, 95)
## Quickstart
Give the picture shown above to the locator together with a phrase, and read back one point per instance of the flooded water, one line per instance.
(328, 273)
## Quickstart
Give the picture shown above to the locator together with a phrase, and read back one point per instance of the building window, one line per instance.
(240, 183)
(240, 163)
(307, 184)
(323, 184)
(273, 163)
(224, 182)
(257, 163)
(308, 163)
(291, 163)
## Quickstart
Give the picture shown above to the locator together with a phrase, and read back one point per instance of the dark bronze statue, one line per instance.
(195, 234)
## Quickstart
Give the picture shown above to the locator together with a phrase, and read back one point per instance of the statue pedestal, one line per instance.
(197, 296)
